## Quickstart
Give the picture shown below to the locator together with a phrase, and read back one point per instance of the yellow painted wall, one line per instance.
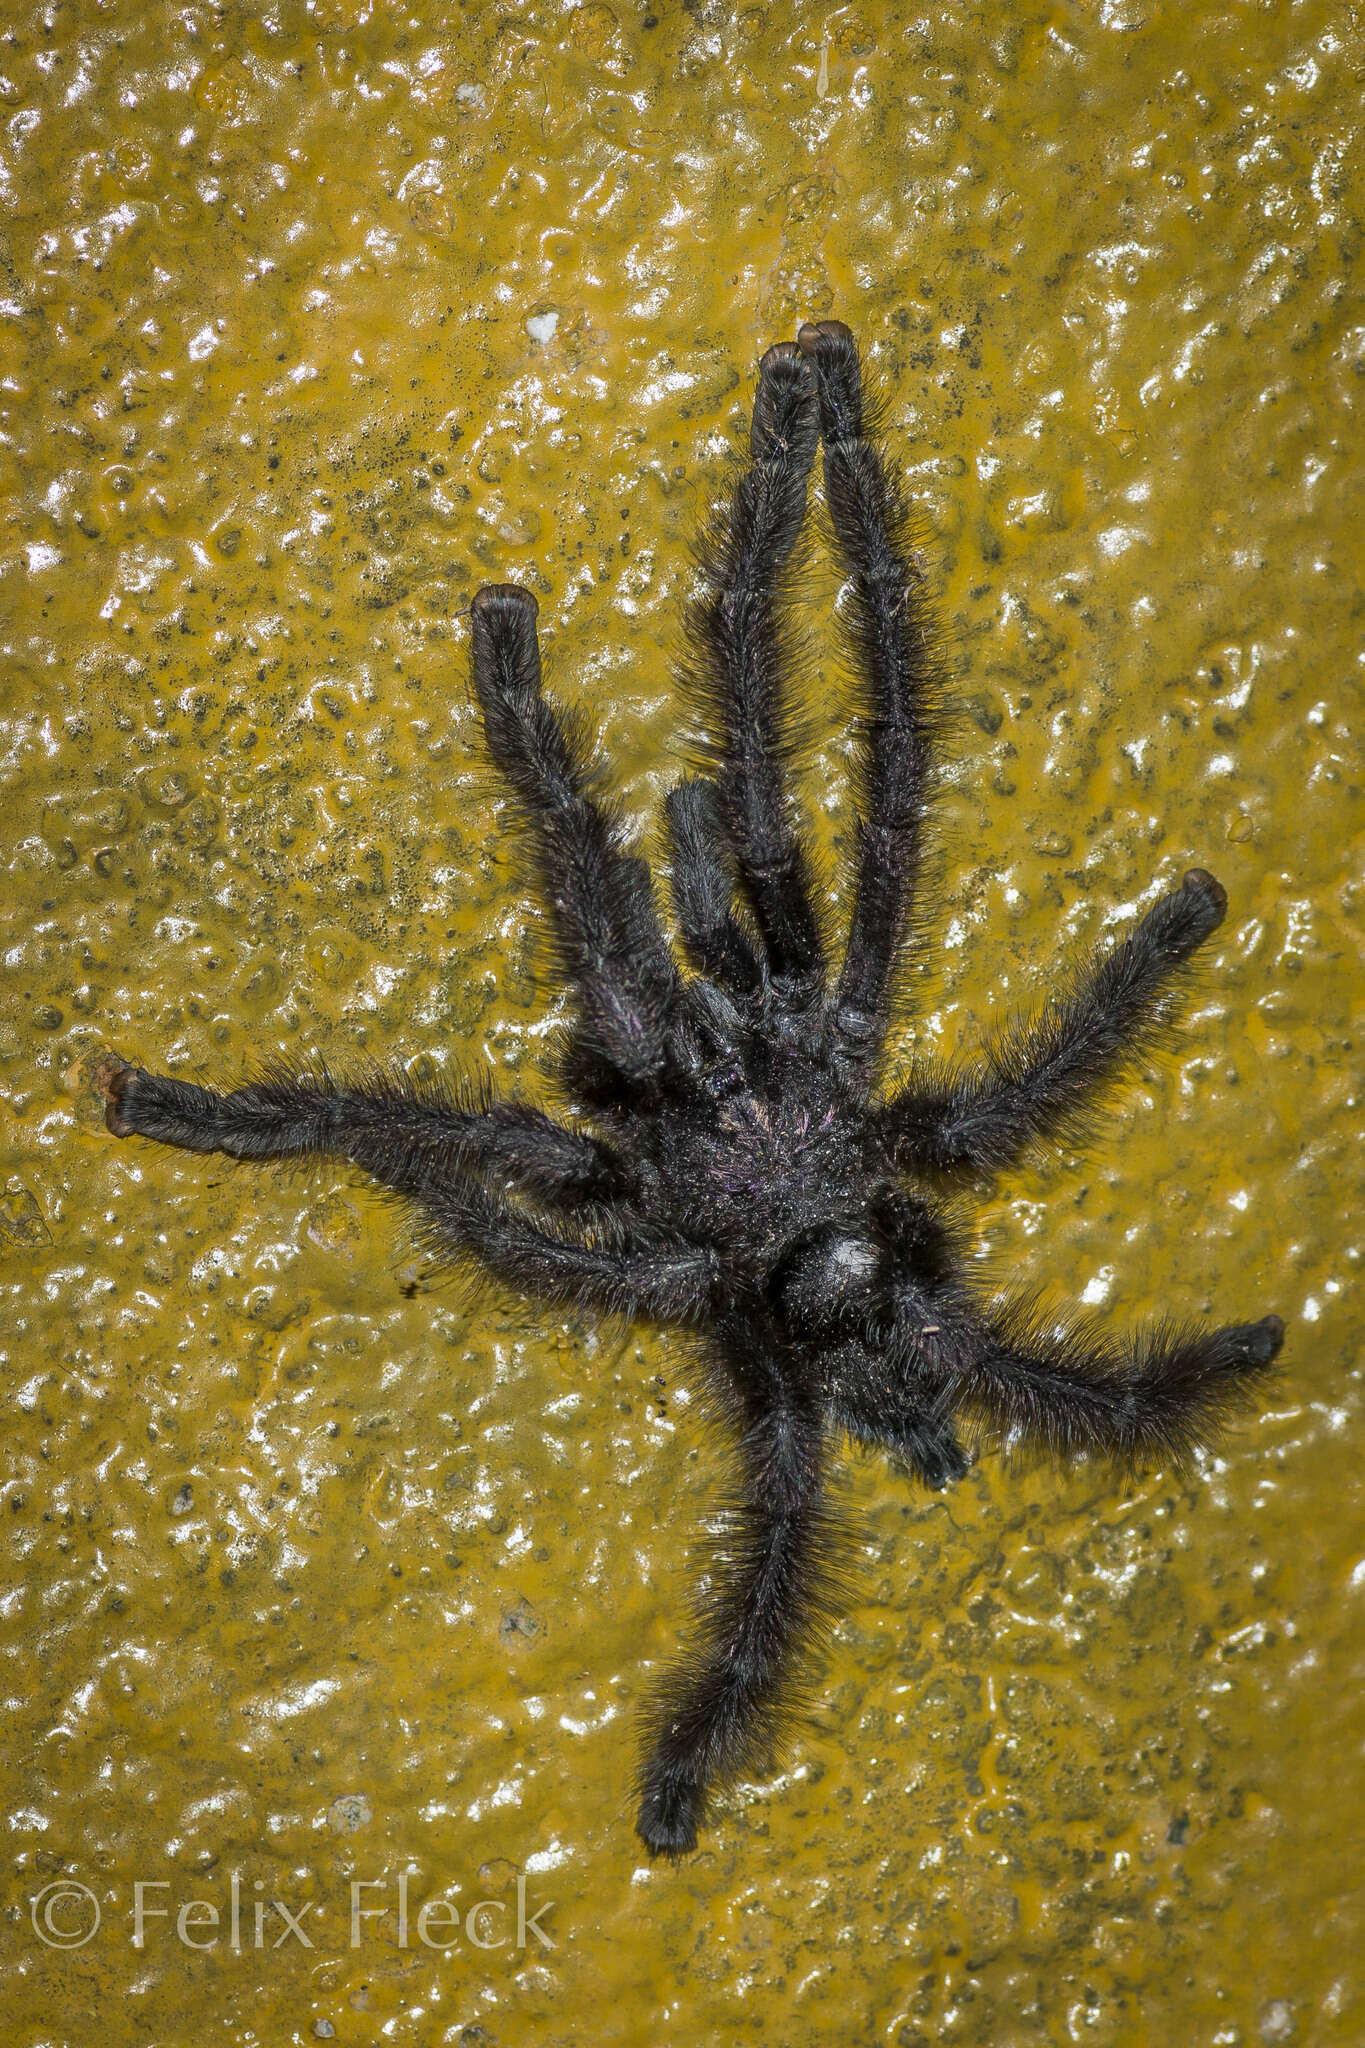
(320, 1570)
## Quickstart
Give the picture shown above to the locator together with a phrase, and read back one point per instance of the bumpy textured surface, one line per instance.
(315, 321)
(738, 1162)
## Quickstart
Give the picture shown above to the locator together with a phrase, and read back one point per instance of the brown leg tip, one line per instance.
(1273, 1327)
(504, 597)
(1199, 882)
(780, 352)
(112, 1077)
(810, 336)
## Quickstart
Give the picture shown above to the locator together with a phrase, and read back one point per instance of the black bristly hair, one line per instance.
(742, 1168)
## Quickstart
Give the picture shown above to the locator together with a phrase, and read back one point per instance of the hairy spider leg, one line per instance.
(405, 1135)
(875, 1404)
(1157, 1394)
(431, 1153)
(613, 947)
(871, 1394)
(704, 888)
(739, 669)
(890, 622)
(1038, 1076)
(714, 1716)
(627, 1269)
(841, 1301)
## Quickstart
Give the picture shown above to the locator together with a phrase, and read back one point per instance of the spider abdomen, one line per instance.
(825, 1277)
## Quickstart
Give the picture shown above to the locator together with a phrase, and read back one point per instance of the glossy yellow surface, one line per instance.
(321, 1571)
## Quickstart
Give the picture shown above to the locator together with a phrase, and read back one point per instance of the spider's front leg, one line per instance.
(715, 1714)
(605, 919)
(739, 674)
(1038, 1077)
(893, 647)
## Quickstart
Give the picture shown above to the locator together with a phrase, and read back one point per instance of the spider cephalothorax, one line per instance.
(738, 1164)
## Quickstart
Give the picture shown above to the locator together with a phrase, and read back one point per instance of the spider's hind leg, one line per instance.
(605, 918)
(1153, 1397)
(928, 1442)
(890, 623)
(773, 1592)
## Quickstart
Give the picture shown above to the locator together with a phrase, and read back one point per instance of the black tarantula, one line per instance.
(738, 1167)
